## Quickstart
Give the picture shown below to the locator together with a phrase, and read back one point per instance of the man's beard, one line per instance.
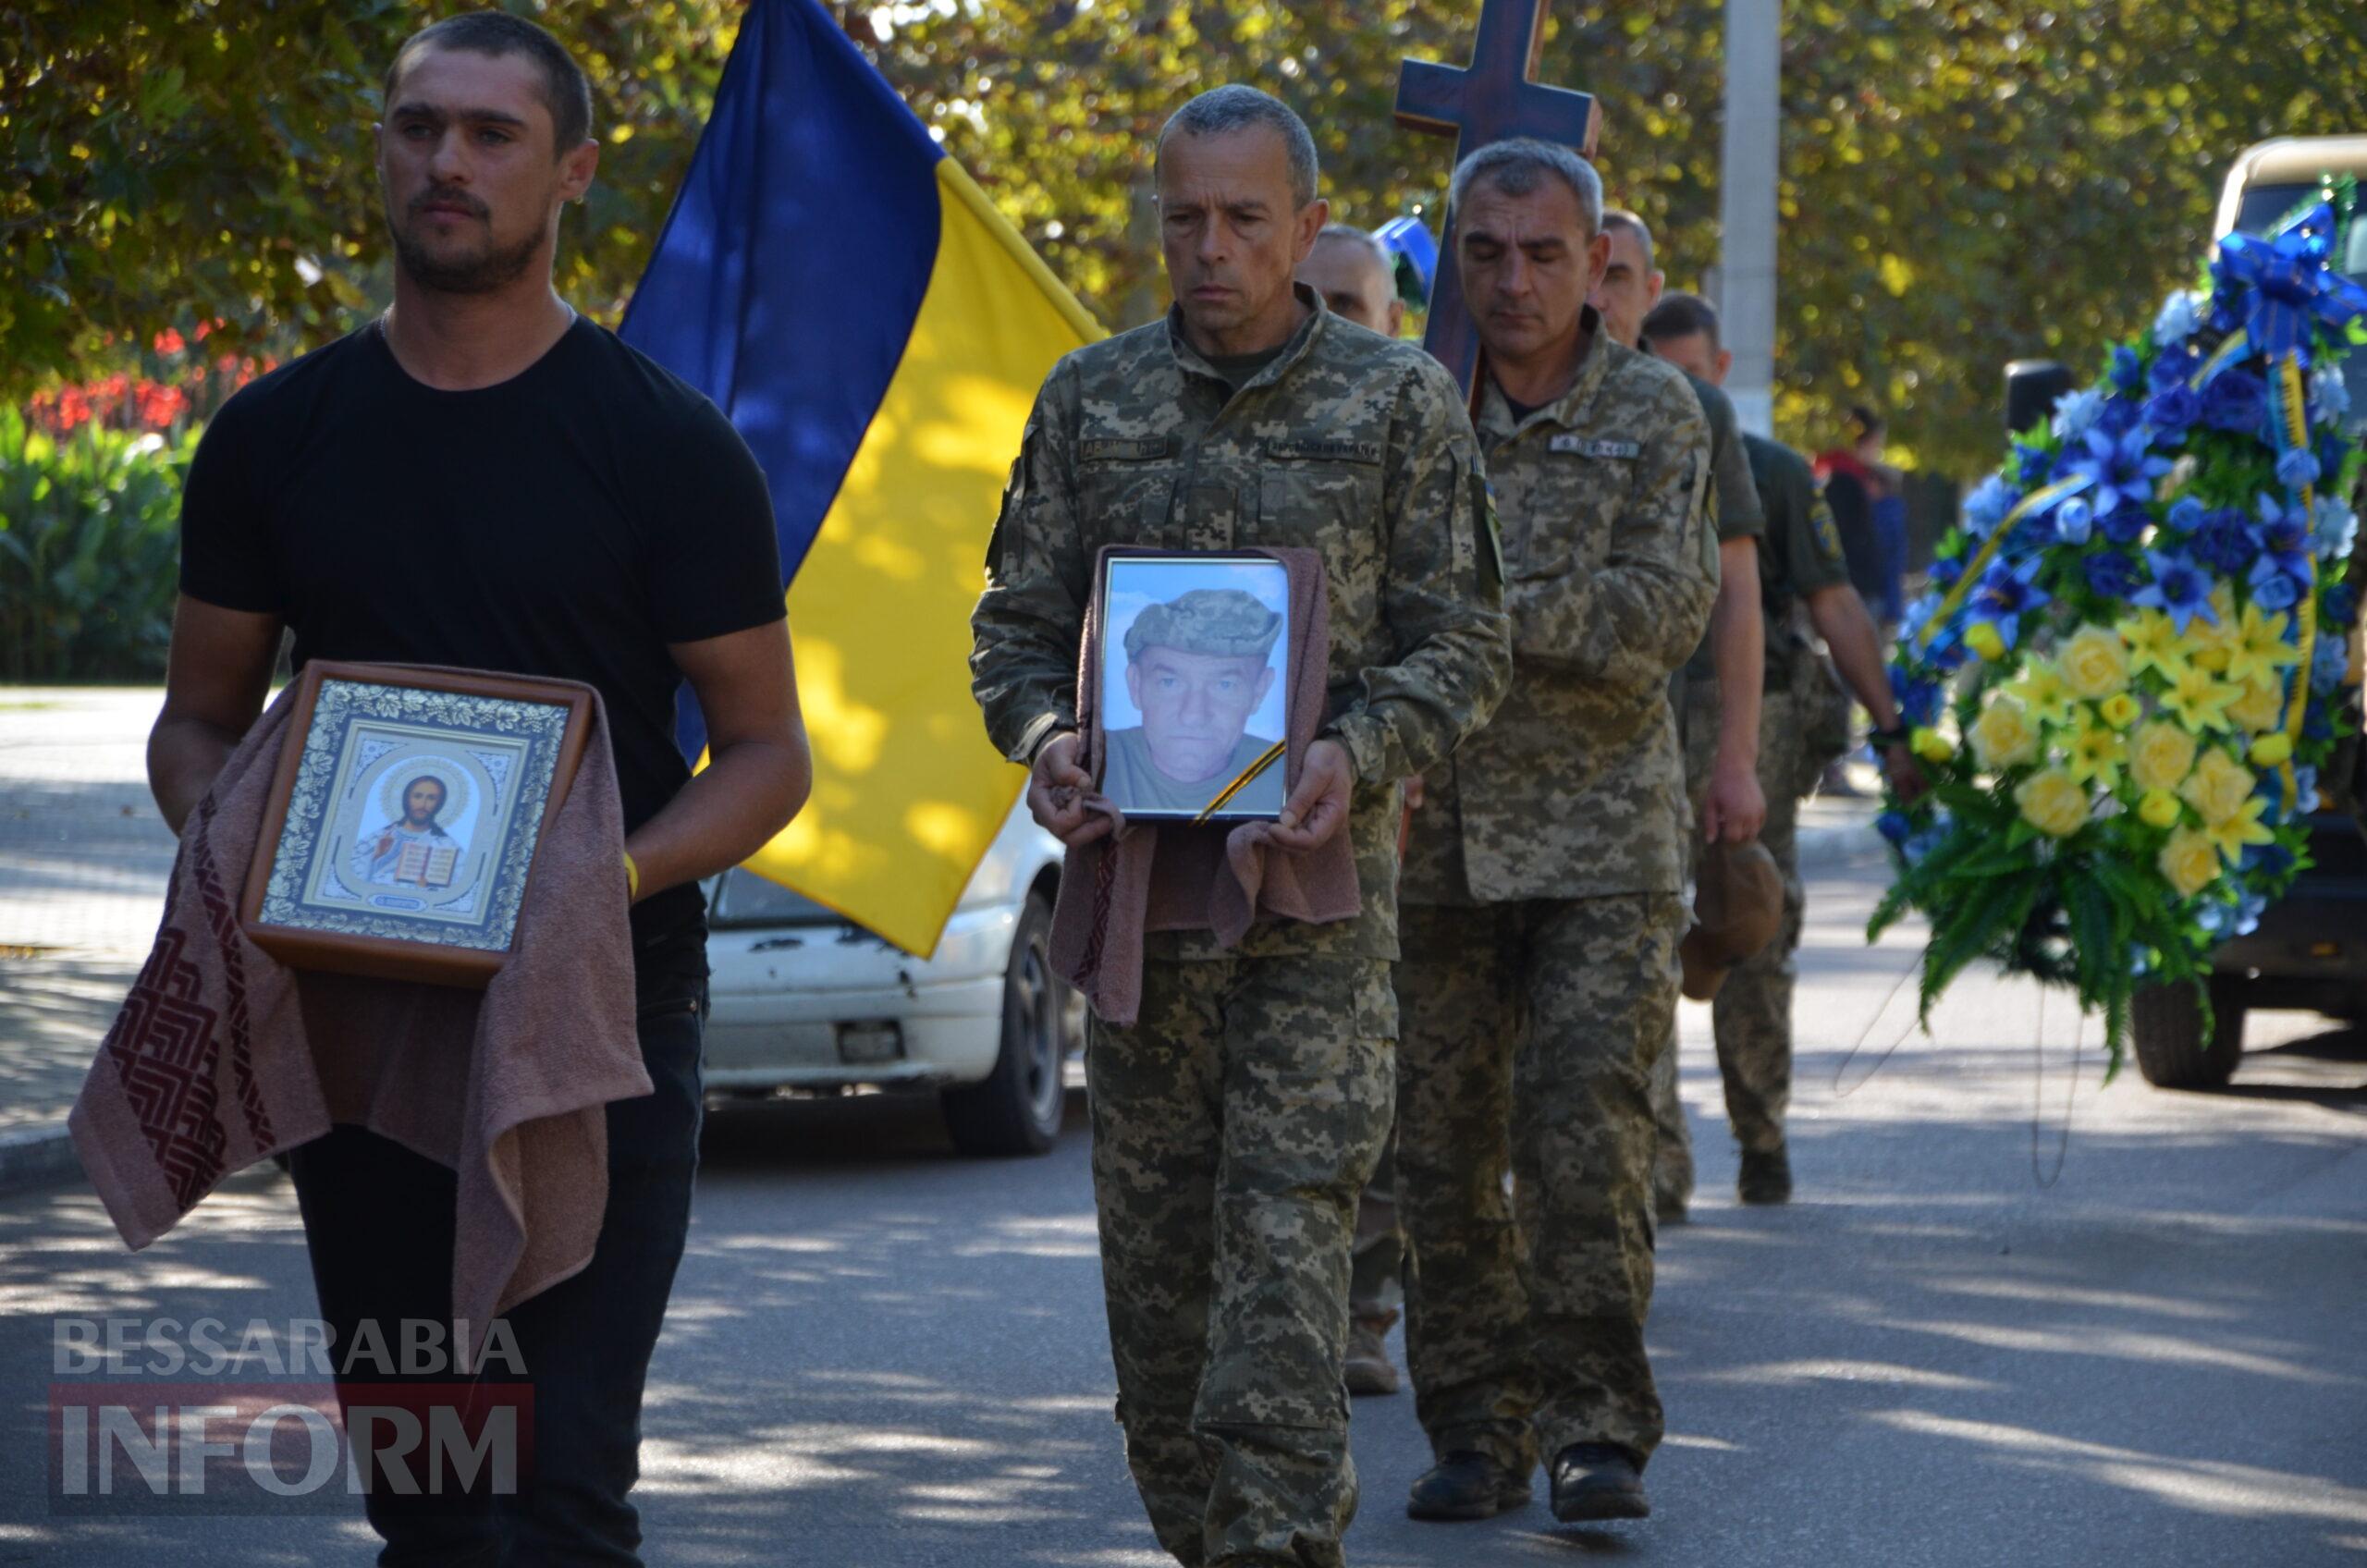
(480, 273)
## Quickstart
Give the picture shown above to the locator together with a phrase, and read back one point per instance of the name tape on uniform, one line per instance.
(1588, 446)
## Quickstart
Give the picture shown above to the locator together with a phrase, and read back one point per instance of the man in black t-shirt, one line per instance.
(565, 507)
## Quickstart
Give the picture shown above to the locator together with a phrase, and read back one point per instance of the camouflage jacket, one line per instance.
(1576, 788)
(1347, 442)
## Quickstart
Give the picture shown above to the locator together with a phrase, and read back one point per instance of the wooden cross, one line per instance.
(1494, 100)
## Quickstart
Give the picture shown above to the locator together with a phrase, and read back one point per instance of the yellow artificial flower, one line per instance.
(2003, 736)
(2272, 751)
(2257, 648)
(1985, 640)
(2053, 803)
(2189, 862)
(2218, 787)
(2261, 707)
(2096, 751)
(2200, 699)
(2160, 808)
(2094, 662)
(2041, 690)
(2163, 753)
(2244, 827)
(1930, 744)
(2209, 644)
(2120, 710)
(2154, 643)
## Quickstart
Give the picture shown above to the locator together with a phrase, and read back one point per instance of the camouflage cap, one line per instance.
(1226, 623)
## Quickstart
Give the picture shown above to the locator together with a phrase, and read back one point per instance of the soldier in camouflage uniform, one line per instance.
(1542, 886)
(1801, 569)
(1722, 763)
(1236, 1120)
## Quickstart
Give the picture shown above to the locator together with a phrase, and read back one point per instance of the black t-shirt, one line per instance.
(570, 521)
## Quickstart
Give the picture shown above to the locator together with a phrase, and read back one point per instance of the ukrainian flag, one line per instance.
(852, 302)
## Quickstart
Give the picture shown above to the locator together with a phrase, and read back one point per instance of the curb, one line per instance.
(37, 1156)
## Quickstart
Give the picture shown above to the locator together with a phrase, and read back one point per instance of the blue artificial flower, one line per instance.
(1946, 572)
(2175, 366)
(2298, 469)
(2213, 917)
(2285, 536)
(2073, 520)
(2334, 528)
(2328, 662)
(2338, 606)
(2075, 412)
(2273, 859)
(2124, 524)
(2176, 321)
(1918, 699)
(2227, 541)
(2329, 395)
(2235, 402)
(2173, 410)
(2007, 593)
(2122, 469)
(2226, 311)
(1988, 504)
(2180, 590)
(2272, 588)
(2186, 515)
(2128, 369)
(2032, 465)
(2248, 908)
(2111, 575)
(1923, 843)
(2305, 791)
(2317, 722)
(1893, 825)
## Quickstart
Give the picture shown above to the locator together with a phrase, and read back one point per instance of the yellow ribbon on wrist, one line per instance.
(632, 877)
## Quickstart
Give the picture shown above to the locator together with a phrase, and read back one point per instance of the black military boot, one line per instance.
(1766, 1178)
(1597, 1481)
(1465, 1485)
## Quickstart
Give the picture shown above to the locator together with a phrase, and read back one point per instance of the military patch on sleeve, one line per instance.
(1590, 447)
(1483, 511)
(1821, 529)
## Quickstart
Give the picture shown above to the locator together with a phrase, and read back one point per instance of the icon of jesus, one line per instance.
(414, 851)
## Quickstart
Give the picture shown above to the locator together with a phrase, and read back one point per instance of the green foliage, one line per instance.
(88, 543)
(1963, 181)
(166, 163)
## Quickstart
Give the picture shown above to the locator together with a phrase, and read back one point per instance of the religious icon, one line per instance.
(405, 817)
(1194, 697)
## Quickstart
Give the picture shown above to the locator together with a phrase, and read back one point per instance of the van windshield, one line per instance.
(745, 899)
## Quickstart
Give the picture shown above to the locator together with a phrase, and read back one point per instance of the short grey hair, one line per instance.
(1236, 107)
(1621, 218)
(1365, 240)
(1517, 166)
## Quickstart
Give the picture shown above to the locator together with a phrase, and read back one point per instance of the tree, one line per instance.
(1965, 181)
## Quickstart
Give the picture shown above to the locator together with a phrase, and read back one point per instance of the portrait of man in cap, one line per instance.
(1197, 668)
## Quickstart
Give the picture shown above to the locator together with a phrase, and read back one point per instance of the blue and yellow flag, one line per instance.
(852, 302)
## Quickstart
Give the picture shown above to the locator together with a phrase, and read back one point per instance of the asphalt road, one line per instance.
(884, 1356)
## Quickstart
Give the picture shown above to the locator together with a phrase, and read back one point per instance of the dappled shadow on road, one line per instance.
(882, 1363)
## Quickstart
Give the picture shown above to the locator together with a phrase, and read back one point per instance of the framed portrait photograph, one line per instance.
(1193, 708)
(404, 817)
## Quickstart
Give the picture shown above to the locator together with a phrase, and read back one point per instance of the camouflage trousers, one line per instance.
(1233, 1126)
(1751, 1016)
(1376, 1272)
(1529, 1033)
